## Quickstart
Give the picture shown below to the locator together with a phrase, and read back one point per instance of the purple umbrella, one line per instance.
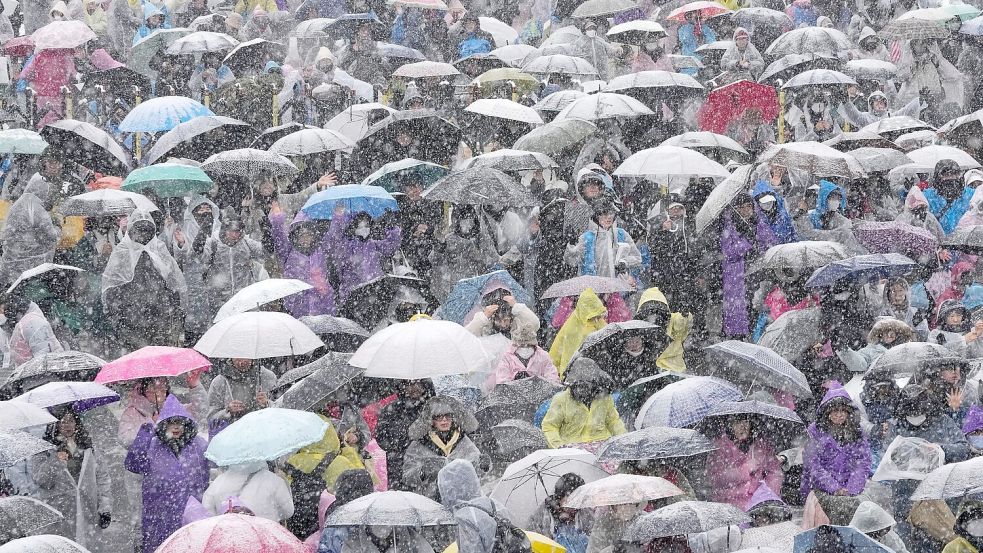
(895, 237)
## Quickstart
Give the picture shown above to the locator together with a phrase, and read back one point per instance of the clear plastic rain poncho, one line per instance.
(909, 459)
(29, 236)
(121, 267)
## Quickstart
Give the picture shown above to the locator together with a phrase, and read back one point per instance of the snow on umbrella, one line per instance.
(814, 158)
(558, 100)
(329, 362)
(670, 161)
(556, 136)
(82, 395)
(703, 140)
(42, 543)
(722, 195)
(675, 82)
(312, 141)
(480, 186)
(791, 334)
(522, 81)
(838, 538)
(21, 141)
(757, 365)
(232, 533)
(58, 365)
(398, 54)
(389, 175)
(576, 285)
(315, 388)
(729, 103)
(819, 77)
(895, 237)
(909, 141)
(606, 338)
(23, 516)
(501, 108)
(870, 69)
(106, 202)
(968, 240)
(502, 33)
(603, 105)
(862, 269)
(511, 435)
(879, 160)
(17, 415)
(600, 8)
(152, 362)
(802, 256)
(87, 145)
(508, 160)
(912, 29)
(642, 28)
(934, 15)
(259, 294)
(752, 17)
(392, 508)
(527, 483)
(249, 162)
(973, 27)
(272, 134)
(720, 46)
(149, 46)
(356, 198)
(200, 42)
(465, 297)
(773, 538)
(16, 446)
(891, 127)
(637, 392)
(906, 359)
(19, 46)
(515, 399)
(684, 517)
(265, 435)
(258, 335)
(655, 443)
(560, 64)
(706, 9)
(790, 65)
(245, 53)
(326, 324)
(162, 114)
(775, 421)
(46, 270)
(930, 155)
(621, 489)
(313, 28)
(686, 402)
(62, 35)
(421, 349)
(353, 122)
(807, 40)
(168, 180)
(201, 137)
(424, 69)
(951, 481)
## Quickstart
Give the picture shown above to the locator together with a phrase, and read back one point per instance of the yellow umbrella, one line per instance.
(523, 81)
(540, 544)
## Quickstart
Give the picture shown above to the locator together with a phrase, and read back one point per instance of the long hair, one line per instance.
(53, 434)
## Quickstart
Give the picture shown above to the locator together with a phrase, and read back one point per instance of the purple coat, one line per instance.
(358, 261)
(168, 479)
(828, 465)
(735, 248)
(312, 269)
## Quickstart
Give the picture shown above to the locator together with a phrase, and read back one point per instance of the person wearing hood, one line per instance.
(960, 278)
(31, 336)
(231, 261)
(147, 398)
(460, 493)
(877, 110)
(972, 427)
(523, 358)
(605, 249)
(360, 247)
(949, 387)
(923, 70)
(352, 484)
(419, 218)
(741, 59)
(969, 528)
(886, 333)
(261, 491)
(692, 34)
(96, 16)
(29, 236)
(674, 257)
(738, 244)
(879, 398)
(653, 307)
(498, 314)
(830, 208)
(743, 460)
(816, 118)
(187, 240)
(952, 325)
(870, 47)
(243, 388)
(585, 411)
(392, 431)
(153, 18)
(917, 213)
(588, 315)
(258, 26)
(949, 195)
(463, 250)
(973, 215)
(897, 305)
(767, 508)
(303, 251)
(439, 435)
(209, 75)
(564, 525)
(871, 519)
(246, 8)
(312, 470)
(775, 224)
(171, 458)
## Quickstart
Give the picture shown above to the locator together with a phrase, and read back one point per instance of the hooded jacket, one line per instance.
(460, 492)
(871, 517)
(948, 213)
(916, 200)
(424, 457)
(829, 465)
(311, 267)
(733, 56)
(951, 338)
(569, 421)
(973, 215)
(150, 10)
(584, 320)
(775, 227)
(358, 261)
(837, 220)
(237, 385)
(735, 474)
(678, 329)
(262, 492)
(29, 236)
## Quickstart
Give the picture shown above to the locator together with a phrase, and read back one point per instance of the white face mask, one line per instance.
(591, 33)
(636, 353)
(817, 107)
(466, 225)
(525, 352)
(362, 230)
(974, 528)
(842, 296)
(834, 205)
(916, 420)
(767, 207)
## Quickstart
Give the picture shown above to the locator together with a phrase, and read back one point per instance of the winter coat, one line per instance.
(689, 41)
(169, 479)
(236, 385)
(864, 118)
(827, 464)
(456, 257)
(775, 227)
(229, 269)
(949, 214)
(80, 501)
(140, 411)
(569, 421)
(598, 252)
(460, 491)
(261, 491)
(28, 236)
(736, 249)
(735, 474)
(914, 200)
(587, 317)
(358, 261)
(392, 435)
(31, 337)
(308, 470)
(509, 365)
(481, 325)
(311, 268)
(423, 460)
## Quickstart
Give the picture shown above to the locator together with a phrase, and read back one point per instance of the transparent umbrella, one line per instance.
(23, 516)
(685, 517)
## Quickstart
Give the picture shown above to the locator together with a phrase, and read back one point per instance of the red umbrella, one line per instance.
(729, 103)
(19, 47)
(105, 181)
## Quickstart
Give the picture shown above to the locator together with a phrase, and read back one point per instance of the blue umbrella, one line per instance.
(265, 435)
(466, 295)
(162, 114)
(373, 200)
(862, 268)
(842, 539)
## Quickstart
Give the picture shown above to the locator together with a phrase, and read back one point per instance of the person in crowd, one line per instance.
(392, 430)
(588, 315)
(743, 460)
(439, 435)
(259, 490)
(244, 387)
(742, 60)
(584, 412)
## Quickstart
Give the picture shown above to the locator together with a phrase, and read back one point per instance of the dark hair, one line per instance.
(81, 435)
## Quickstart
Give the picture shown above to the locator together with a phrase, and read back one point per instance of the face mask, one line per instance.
(834, 205)
(975, 441)
(817, 107)
(636, 353)
(591, 33)
(362, 231)
(525, 352)
(974, 528)
(653, 48)
(916, 420)
(842, 296)
(466, 225)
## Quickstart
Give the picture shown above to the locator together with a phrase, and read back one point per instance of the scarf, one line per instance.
(448, 447)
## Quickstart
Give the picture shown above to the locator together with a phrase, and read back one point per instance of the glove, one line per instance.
(621, 267)
(104, 520)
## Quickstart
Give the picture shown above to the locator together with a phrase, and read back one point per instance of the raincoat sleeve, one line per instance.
(138, 457)
(855, 116)
(219, 396)
(281, 240)
(291, 203)
(613, 421)
(553, 421)
(47, 469)
(632, 256)
(198, 405)
(104, 483)
(574, 254)
(480, 325)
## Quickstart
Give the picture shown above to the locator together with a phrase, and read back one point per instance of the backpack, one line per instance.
(509, 538)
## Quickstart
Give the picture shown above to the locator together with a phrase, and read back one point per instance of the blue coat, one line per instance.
(948, 215)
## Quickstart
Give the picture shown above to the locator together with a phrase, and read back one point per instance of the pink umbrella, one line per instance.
(153, 361)
(232, 534)
(62, 34)
(19, 46)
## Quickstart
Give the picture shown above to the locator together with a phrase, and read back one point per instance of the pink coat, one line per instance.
(509, 365)
(735, 475)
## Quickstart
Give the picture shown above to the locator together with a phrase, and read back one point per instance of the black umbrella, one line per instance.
(368, 303)
(614, 334)
(313, 389)
(22, 516)
(480, 186)
(295, 374)
(247, 53)
(476, 64)
(966, 240)
(773, 421)
(119, 81)
(326, 324)
(202, 137)
(87, 145)
(786, 67)
(347, 25)
(518, 399)
(424, 125)
(61, 366)
(514, 436)
(655, 443)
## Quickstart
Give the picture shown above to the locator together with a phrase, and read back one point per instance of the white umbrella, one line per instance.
(560, 64)
(42, 543)
(258, 335)
(558, 100)
(819, 77)
(313, 28)
(421, 349)
(916, 139)
(16, 415)
(106, 201)
(870, 69)
(513, 54)
(200, 42)
(705, 139)
(248, 162)
(511, 160)
(40, 270)
(621, 489)
(653, 79)
(91, 394)
(637, 26)
(686, 402)
(354, 121)
(260, 293)
(815, 158)
(311, 141)
(505, 109)
(563, 35)
(670, 161)
(502, 33)
(604, 105)
(930, 155)
(422, 69)
(722, 195)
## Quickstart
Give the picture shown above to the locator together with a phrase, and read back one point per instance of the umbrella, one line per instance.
(17, 415)
(59, 365)
(200, 42)
(722, 195)
(556, 136)
(966, 240)
(272, 134)
(504, 109)
(437, 136)
(862, 268)
(951, 481)
(19, 46)
(934, 15)
(258, 335)
(791, 334)
(759, 365)
(43, 543)
(326, 324)
(87, 145)
(814, 158)
(356, 198)
(702, 140)
(353, 122)
(879, 160)
(62, 35)
(930, 155)
(819, 77)
(16, 446)
(895, 237)
(388, 176)
(719, 46)
(21, 141)
(168, 180)
(480, 186)
(424, 69)
(790, 65)
(22, 516)
(311, 141)
(392, 508)
(891, 127)
(513, 435)
(670, 161)
(576, 285)
(775, 421)
(465, 297)
(912, 29)
(249, 162)
(686, 402)
(621, 489)
(527, 483)
(514, 54)
(773, 538)
(805, 255)
(655, 443)
(642, 28)
(162, 114)
(600, 8)
(501, 32)
(752, 17)
(906, 359)
(808, 40)
(964, 12)
(314, 389)
(602, 340)
(684, 517)
(152, 362)
(632, 398)
(346, 26)
(265, 435)
(521, 81)
(83, 395)
(232, 532)
(477, 64)
(201, 137)
(313, 28)
(260, 293)
(729, 102)
(870, 69)
(106, 202)
(399, 52)
(330, 361)
(560, 64)
(46, 270)
(508, 160)
(645, 80)
(973, 27)
(558, 100)
(367, 304)
(603, 105)
(421, 349)
(243, 55)
(706, 9)
(144, 51)
(515, 399)
(846, 539)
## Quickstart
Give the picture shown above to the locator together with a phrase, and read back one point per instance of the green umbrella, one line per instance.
(168, 180)
(21, 141)
(388, 175)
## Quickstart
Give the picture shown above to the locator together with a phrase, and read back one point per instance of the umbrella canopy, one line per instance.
(642, 80)
(966, 240)
(642, 28)
(621, 489)
(105, 202)
(200, 42)
(752, 18)
(895, 237)
(560, 64)
(513, 54)
(655, 443)
(501, 108)
(862, 268)
(523, 82)
(757, 365)
(508, 160)
(686, 402)
(321, 384)
(879, 160)
(392, 508)
(16, 446)
(326, 324)
(87, 145)
(43, 543)
(21, 141)
(168, 180)
(600, 342)
(791, 334)
(62, 35)
(423, 69)
(152, 362)
(399, 53)
(603, 105)
(296, 374)
(23, 516)
(870, 69)
(501, 32)
(912, 29)
(729, 102)
(54, 366)
(17, 415)
(162, 114)
(389, 175)
(242, 56)
(421, 349)
(265, 435)
(272, 134)
(465, 297)
(232, 532)
(481, 186)
(46, 270)
(258, 335)
(806, 40)
(930, 155)
(249, 162)
(313, 28)
(312, 141)
(706, 9)
(814, 158)
(353, 122)
(149, 46)
(576, 285)
(670, 161)
(684, 517)
(951, 480)
(356, 198)
(701, 140)
(789, 65)
(906, 359)
(600, 8)
(512, 435)
(777, 422)
(556, 136)
(805, 255)
(819, 77)
(82, 395)
(847, 539)
(722, 195)
(515, 399)
(772, 538)
(259, 294)
(558, 100)
(891, 127)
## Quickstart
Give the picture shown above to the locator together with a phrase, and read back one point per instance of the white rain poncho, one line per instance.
(929, 70)
(29, 236)
(264, 493)
(199, 314)
(460, 491)
(120, 268)
(32, 337)
(871, 517)
(909, 459)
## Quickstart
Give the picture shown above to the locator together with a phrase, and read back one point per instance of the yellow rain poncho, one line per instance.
(346, 458)
(587, 317)
(569, 421)
(671, 358)
(959, 545)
